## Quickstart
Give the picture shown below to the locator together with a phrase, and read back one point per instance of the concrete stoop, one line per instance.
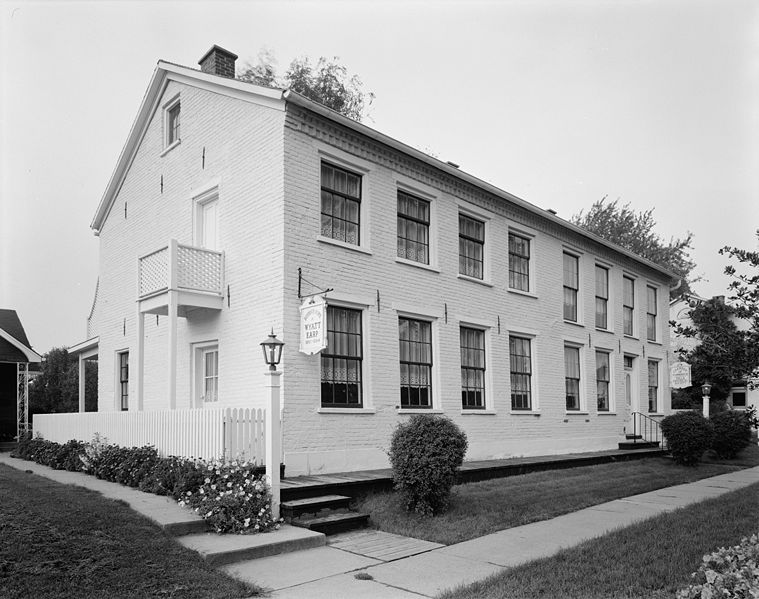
(329, 514)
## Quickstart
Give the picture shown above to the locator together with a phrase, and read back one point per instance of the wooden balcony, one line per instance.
(193, 275)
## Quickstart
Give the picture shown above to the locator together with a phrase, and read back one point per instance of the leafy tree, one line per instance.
(56, 388)
(745, 286)
(634, 231)
(724, 355)
(326, 82)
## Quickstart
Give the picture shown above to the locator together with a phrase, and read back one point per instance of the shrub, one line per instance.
(232, 498)
(732, 433)
(66, 456)
(425, 454)
(688, 435)
(173, 476)
(732, 572)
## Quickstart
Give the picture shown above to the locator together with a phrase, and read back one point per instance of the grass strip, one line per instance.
(650, 560)
(485, 507)
(64, 541)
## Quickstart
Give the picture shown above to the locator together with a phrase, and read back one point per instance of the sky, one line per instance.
(561, 103)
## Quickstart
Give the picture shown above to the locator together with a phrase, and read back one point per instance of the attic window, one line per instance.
(172, 112)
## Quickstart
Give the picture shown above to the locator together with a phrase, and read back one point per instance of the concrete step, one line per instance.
(219, 550)
(632, 445)
(630, 437)
(333, 523)
(313, 505)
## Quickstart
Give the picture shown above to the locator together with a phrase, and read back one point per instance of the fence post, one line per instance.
(273, 448)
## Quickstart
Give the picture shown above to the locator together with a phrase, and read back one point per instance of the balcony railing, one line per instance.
(182, 268)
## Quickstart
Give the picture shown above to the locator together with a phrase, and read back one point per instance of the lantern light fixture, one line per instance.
(272, 348)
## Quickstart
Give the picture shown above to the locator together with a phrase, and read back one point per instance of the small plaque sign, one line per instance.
(313, 325)
(679, 375)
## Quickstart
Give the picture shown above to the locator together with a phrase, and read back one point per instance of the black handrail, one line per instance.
(647, 429)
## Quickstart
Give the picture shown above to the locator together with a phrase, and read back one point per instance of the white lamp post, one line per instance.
(272, 348)
(706, 389)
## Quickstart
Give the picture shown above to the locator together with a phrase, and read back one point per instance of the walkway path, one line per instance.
(399, 567)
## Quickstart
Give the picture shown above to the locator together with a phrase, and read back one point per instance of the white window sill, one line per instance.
(609, 331)
(419, 411)
(654, 414)
(342, 244)
(359, 411)
(576, 413)
(604, 413)
(654, 342)
(524, 293)
(421, 265)
(574, 323)
(626, 336)
(478, 412)
(525, 412)
(474, 280)
(171, 147)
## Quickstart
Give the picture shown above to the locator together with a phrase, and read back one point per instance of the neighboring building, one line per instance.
(16, 354)
(449, 295)
(744, 393)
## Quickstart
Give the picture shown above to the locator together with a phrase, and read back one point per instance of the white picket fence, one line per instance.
(232, 433)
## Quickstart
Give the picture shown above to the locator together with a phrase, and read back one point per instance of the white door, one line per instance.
(208, 227)
(631, 392)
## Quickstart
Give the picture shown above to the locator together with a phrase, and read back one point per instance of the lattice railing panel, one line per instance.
(154, 272)
(198, 269)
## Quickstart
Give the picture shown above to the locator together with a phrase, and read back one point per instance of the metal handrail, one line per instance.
(648, 429)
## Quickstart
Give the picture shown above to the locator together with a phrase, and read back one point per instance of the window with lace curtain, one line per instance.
(341, 360)
(415, 349)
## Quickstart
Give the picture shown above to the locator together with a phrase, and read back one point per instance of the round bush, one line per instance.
(688, 435)
(732, 433)
(425, 454)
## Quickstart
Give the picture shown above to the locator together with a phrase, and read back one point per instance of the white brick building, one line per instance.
(565, 334)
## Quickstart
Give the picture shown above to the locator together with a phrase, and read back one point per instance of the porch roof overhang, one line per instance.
(85, 349)
(30, 355)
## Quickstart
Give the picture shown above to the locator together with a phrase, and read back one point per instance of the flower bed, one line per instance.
(231, 496)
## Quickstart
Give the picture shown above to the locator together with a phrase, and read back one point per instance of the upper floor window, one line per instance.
(572, 377)
(415, 337)
(571, 286)
(340, 204)
(472, 343)
(520, 363)
(651, 312)
(413, 228)
(173, 124)
(210, 374)
(341, 360)
(602, 297)
(603, 378)
(519, 262)
(653, 385)
(471, 246)
(123, 359)
(628, 305)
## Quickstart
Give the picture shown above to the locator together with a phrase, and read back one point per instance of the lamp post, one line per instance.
(706, 389)
(272, 348)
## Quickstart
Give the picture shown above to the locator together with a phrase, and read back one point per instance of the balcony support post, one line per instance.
(139, 362)
(172, 365)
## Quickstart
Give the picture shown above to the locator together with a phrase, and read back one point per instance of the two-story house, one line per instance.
(231, 201)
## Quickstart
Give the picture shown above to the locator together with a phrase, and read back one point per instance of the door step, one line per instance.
(313, 505)
(328, 514)
(630, 437)
(639, 444)
(333, 523)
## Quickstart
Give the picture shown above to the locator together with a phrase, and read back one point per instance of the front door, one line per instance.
(631, 391)
(209, 225)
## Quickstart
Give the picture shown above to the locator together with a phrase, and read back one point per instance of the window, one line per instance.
(472, 368)
(571, 285)
(341, 360)
(521, 373)
(413, 228)
(628, 305)
(123, 359)
(572, 376)
(172, 124)
(629, 365)
(207, 220)
(603, 376)
(471, 246)
(653, 386)
(210, 374)
(738, 397)
(415, 337)
(341, 204)
(651, 313)
(519, 262)
(602, 297)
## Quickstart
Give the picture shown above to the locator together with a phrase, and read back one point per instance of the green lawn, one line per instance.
(62, 542)
(650, 560)
(481, 508)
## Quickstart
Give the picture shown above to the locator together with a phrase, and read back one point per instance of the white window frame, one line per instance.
(423, 192)
(659, 386)
(534, 377)
(657, 316)
(583, 400)
(485, 217)
(436, 406)
(167, 108)
(361, 167)
(635, 307)
(569, 251)
(199, 351)
(612, 398)
(532, 269)
(199, 201)
(609, 300)
(117, 380)
(739, 389)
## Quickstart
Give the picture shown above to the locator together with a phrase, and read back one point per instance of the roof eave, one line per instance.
(29, 353)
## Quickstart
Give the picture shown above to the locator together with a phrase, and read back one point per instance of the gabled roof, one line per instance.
(14, 345)
(278, 98)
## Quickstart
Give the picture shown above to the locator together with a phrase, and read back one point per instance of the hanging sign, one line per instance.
(679, 375)
(313, 325)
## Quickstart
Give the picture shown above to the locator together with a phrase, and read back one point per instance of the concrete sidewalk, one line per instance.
(400, 567)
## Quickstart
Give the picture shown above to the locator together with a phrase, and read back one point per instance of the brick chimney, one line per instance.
(218, 61)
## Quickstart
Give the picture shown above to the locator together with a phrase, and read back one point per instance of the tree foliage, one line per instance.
(326, 82)
(56, 388)
(634, 231)
(745, 286)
